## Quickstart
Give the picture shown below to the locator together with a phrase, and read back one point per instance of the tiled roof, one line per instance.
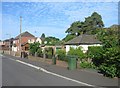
(83, 39)
(25, 34)
(24, 43)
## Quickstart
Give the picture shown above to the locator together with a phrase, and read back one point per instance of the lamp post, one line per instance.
(9, 43)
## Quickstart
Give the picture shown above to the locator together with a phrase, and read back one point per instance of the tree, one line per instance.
(33, 48)
(89, 26)
(43, 35)
(51, 40)
(43, 38)
(74, 28)
(68, 37)
(93, 22)
(107, 58)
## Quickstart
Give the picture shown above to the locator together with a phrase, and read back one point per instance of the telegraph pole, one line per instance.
(9, 43)
(20, 34)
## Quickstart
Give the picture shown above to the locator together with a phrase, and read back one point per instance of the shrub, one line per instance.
(108, 70)
(77, 52)
(33, 47)
(96, 54)
(61, 55)
(39, 52)
(111, 65)
(86, 65)
(106, 59)
(49, 52)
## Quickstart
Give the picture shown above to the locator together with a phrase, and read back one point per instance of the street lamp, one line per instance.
(9, 43)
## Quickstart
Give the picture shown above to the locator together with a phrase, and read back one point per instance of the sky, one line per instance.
(52, 18)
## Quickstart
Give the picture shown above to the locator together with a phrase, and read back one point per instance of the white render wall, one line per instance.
(84, 47)
(68, 47)
(39, 40)
(14, 49)
(31, 40)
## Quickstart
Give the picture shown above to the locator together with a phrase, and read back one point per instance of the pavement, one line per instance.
(83, 76)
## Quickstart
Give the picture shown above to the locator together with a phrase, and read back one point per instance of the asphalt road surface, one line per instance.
(17, 74)
(23, 72)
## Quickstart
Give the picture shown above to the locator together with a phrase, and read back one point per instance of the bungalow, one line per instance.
(83, 41)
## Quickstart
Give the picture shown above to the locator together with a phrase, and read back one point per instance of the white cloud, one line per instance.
(60, 0)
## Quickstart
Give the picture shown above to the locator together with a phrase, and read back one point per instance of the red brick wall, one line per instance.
(23, 40)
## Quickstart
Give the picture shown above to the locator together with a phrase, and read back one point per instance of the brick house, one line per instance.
(6, 44)
(25, 36)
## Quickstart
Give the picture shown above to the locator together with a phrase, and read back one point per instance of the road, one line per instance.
(23, 72)
(17, 74)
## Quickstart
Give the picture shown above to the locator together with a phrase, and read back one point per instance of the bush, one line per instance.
(61, 55)
(106, 59)
(111, 65)
(39, 52)
(96, 54)
(86, 65)
(33, 47)
(49, 52)
(77, 52)
(109, 71)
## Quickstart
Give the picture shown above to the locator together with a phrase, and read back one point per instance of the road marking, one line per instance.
(28, 64)
(42, 69)
(12, 59)
(1, 55)
(69, 79)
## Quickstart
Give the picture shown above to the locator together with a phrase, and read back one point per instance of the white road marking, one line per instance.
(1, 55)
(28, 64)
(12, 59)
(69, 79)
(42, 69)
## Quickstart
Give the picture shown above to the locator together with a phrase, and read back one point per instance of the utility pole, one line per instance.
(9, 43)
(20, 34)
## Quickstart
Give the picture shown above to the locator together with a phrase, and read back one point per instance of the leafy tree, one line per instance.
(108, 57)
(69, 37)
(74, 28)
(33, 47)
(43, 35)
(89, 26)
(43, 38)
(92, 23)
(51, 40)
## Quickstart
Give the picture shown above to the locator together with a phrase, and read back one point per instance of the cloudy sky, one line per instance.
(52, 18)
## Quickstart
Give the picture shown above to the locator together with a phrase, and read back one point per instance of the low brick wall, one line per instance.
(10, 52)
(49, 61)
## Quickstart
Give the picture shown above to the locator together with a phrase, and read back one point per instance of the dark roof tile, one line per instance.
(25, 34)
(83, 39)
